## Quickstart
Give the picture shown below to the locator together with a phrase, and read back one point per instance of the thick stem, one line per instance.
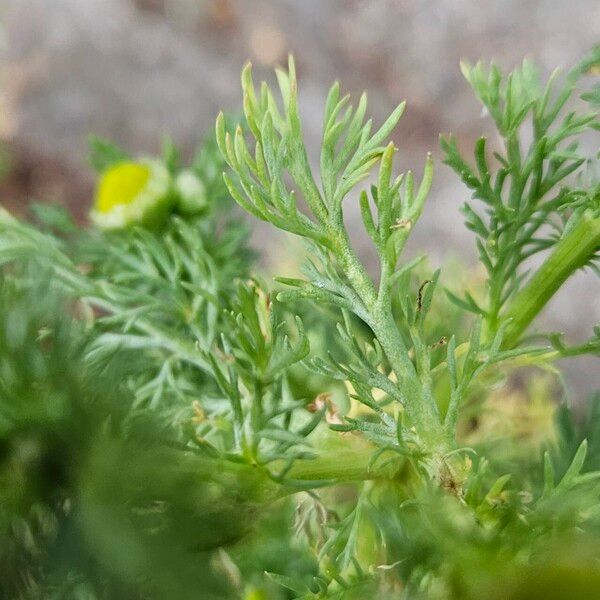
(570, 253)
(338, 467)
(448, 470)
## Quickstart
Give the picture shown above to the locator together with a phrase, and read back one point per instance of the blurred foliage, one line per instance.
(96, 503)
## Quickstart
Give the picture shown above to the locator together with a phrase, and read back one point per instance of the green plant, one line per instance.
(528, 192)
(176, 398)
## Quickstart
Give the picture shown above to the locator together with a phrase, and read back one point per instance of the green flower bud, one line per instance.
(191, 193)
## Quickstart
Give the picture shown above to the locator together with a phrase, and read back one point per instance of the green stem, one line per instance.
(331, 466)
(420, 403)
(570, 253)
(341, 466)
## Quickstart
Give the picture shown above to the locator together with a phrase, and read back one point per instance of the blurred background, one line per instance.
(134, 70)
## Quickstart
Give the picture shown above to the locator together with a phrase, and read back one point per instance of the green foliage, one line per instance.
(78, 472)
(530, 203)
(350, 150)
(391, 372)
(170, 427)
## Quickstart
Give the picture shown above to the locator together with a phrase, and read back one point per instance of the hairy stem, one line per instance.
(419, 402)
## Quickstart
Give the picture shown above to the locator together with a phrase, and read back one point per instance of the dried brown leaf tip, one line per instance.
(324, 400)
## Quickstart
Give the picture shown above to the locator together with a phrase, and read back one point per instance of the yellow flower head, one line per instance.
(132, 193)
